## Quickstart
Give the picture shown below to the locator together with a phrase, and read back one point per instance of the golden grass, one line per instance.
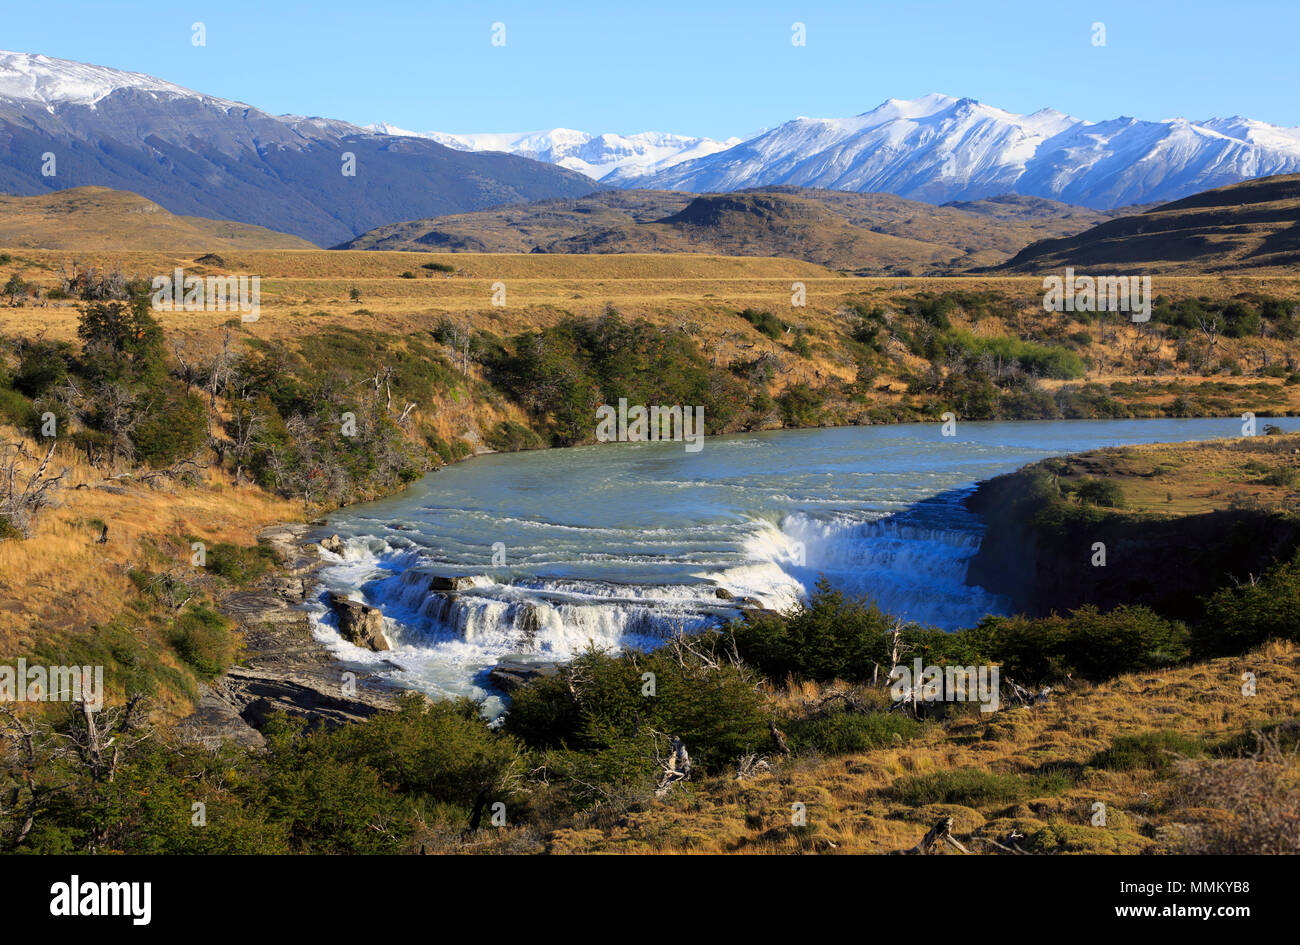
(849, 809)
(101, 219)
(61, 581)
(1194, 478)
(307, 291)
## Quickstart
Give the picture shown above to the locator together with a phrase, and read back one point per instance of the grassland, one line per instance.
(98, 219)
(304, 292)
(333, 319)
(1034, 770)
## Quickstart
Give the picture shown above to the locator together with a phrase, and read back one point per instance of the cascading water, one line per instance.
(541, 555)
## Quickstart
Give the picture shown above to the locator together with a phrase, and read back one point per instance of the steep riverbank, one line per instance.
(1193, 518)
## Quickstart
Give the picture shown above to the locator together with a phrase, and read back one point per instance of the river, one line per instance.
(617, 545)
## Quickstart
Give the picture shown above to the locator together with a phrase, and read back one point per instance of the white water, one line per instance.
(618, 545)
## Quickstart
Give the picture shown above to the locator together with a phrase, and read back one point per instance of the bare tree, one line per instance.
(19, 500)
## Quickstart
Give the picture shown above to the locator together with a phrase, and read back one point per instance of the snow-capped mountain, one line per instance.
(205, 156)
(33, 78)
(608, 158)
(937, 148)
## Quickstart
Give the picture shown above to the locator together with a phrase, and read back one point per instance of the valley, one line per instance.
(356, 527)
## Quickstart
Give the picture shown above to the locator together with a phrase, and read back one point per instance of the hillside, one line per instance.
(1254, 224)
(863, 233)
(98, 219)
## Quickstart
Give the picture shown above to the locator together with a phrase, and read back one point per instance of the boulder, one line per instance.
(723, 594)
(442, 582)
(333, 544)
(358, 623)
(508, 675)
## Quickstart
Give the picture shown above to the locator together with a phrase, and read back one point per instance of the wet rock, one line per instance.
(529, 623)
(333, 544)
(358, 623)
(723, 594)
(441, 582)
(508, 675)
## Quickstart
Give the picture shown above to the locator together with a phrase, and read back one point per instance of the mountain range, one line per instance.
(608, 158)
(198, 155)
(202, 156)
(938, 149)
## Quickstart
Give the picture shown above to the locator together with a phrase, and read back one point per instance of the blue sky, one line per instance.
(705, 67)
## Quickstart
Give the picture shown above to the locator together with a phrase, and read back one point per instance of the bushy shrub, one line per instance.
(174, 427)
(841, 732)
(973, 787)
(1154, 751)
(765, 322)
(1085, 643)
(1102, 492)
(1238, 618)
(238, 565)
(509, 437)
(597, 705)
(203, 639)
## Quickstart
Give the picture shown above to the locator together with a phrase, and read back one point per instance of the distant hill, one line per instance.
(866, 233)
(205, 156)
(96, 219)
(1242, 226)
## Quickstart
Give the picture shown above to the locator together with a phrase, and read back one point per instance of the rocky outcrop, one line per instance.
(359, 624)
(508, 675)
(284, 668)
(1037, 551)
(443, 583)
(333, 544)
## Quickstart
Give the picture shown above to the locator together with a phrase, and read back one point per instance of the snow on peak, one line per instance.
(603, 156)
(34, 78)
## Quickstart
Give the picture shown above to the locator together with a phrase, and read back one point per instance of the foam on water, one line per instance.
(620, 546)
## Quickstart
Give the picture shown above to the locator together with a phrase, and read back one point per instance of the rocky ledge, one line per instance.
(284, 667)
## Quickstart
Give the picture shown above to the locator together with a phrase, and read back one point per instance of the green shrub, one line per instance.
(43, 366)
(799, 405)
(1085, 643)
(842, 733)
(1154, 751)
(203, 639)
(765, 322)
(1102, 492)
(509, 437)
(1241, 617)
(713, 707)
(442, 751)
(173, 428)
(238, 565)
(973, 787)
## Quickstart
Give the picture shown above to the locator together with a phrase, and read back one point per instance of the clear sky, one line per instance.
(707, 67)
